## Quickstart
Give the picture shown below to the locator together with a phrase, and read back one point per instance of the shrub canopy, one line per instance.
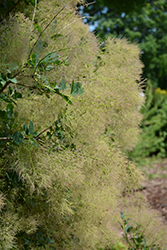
(69, 113)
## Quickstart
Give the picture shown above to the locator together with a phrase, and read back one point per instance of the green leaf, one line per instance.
(4, 98)
(122, 215)
(13, 80)
(62, 85)
(35, 133)
(139, 239)
(56, 36)
(76, 88)
(2, 80)
(8, 176)
(38, 51)
(3, 114)
(26, 129)
(50, 241)
(38, 28)
(128, 228)
(9, 71)
(9, 110)
(32, 141)
(32, 62)
(10, 90)
(31, 127)
(18, 137)
(54, 24)
(50, 58)
(49, 67)
(16, 95)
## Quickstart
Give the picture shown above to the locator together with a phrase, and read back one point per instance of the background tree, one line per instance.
(144, 24)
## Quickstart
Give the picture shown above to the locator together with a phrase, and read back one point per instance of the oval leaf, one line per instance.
(13, 80)
(31, 127)
(50, 58)
(76, 88)
(33, 143)
(18, 137)
(26, 129)
(62, 85)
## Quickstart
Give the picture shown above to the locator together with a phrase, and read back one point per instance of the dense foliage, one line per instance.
(69, 113)
(145, 25)
(133, 237)
(153, 140)
(118, 5)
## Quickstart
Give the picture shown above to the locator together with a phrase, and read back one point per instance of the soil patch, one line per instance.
(155, 190)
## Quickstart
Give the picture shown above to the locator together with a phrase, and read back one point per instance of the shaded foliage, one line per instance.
(153, 141)
(117, 5)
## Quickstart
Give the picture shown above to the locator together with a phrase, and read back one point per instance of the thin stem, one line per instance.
(46, 28)
(8, 82)
(33, 15)
(10, 138)
(25, 138)
(70, 24)
(27, 86)
(87, 4)
(5, 86)
(42, 132)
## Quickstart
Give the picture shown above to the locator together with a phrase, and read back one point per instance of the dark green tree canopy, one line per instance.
(119, 5)
(145, 26)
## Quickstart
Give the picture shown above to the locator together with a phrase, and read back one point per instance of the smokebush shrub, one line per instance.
(68, 116)
(133, 237)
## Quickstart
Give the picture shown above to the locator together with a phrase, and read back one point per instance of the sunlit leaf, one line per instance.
(14, 80)
(50, 58)
(62, 85)
(76, 88)
(49, 67)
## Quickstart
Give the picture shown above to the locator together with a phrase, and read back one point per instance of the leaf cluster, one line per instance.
(153, 140)
(134, 238)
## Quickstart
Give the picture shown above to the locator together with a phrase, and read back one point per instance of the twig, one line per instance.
(36, 137)
(47, 27)
(87, 4)
(27, 86)
(40, 141)
(10, 138)
(25, 138)
(33, 15)
(70, 24)
(8, 82)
